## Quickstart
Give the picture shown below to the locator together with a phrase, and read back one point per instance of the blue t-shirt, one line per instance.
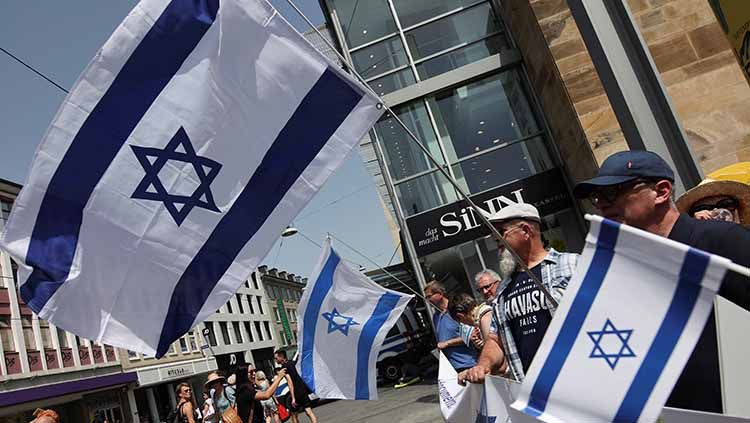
(459, 356)
(526, 313)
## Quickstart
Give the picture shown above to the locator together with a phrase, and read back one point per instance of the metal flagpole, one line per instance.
(429, 155)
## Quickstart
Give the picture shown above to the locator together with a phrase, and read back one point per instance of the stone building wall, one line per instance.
(696, 65)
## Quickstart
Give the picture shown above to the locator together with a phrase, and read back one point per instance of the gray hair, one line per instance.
(487, 272)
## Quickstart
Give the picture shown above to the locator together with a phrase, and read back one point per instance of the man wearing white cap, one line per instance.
(522, 312)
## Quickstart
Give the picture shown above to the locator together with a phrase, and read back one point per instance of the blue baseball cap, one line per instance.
(626, 166)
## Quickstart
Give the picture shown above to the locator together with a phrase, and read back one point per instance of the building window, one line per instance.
(62, 338)
(183, 345)
(250, 304)
(364, 21)
(5, 207)
(276, 314)
(254, 279)
(28, 333)
(225, 333)
(192, 341)
(268, 329)
(412, 12)
(229, 306)
(239, 303)
(258, 331)
(6, 334)
(237, 333)
(132, 355)
(46, 334)
(282, 338)
(211, 334)
(260, 304)
(249, 332)
(269, 292)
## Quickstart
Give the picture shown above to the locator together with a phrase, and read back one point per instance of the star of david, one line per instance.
(334, 317)
(610, 330)
(152, 188)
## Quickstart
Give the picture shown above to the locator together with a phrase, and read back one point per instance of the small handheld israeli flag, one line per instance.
(345, 318)
(624, 330)
(196, 134)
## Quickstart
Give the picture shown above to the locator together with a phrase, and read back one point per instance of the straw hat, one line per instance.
(710, 188)
(212, 377)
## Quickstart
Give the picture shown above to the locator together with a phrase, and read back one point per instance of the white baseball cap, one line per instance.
(516, 211)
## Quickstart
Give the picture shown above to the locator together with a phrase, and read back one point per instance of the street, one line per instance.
(413, 404)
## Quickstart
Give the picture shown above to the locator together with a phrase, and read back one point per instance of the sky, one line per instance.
(59, 38)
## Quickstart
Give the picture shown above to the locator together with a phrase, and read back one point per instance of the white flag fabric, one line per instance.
(487, 403)
(345, 318)
(196, 134)
(624, 330)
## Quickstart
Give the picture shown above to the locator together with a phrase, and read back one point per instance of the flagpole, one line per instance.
(432, 159)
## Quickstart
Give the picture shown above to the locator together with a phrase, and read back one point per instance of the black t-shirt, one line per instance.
(245, 402)
(526, 312)
(699, 385)
(300, 389)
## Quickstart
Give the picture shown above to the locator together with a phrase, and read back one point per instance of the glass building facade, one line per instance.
(450, 72)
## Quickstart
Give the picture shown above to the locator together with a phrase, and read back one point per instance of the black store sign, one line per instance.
(230, 362)
(456, 223)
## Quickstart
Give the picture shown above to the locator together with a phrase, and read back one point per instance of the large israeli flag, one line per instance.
(624, 330)
(345, 318)
(199, 130)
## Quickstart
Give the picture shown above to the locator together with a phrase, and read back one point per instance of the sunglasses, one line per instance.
(487, 287)
(727, 203)
(609, 194)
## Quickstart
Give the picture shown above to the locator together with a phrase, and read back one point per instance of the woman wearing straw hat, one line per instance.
(717, 200)
(223, 396)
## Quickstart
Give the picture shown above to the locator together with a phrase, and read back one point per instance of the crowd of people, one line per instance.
(246, 396)
(500, 333)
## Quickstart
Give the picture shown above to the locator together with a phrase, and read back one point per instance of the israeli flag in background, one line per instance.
(624, 330)
(345, 318)
(196, 134)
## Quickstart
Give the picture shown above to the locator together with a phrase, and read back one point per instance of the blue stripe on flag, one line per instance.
(684, 300)
(370, 330)
(145, 74)
(316, 119)
(310, 319)
(605, 244)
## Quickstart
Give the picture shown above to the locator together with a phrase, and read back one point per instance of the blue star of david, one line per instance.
(610, 330)
(152, 188)
(333, 325)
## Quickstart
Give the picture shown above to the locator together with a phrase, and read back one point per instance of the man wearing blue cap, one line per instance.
(636, 188)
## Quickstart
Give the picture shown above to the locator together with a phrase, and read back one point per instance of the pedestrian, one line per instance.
(45, 416)
(186, 410)
(487, 281)
(637, 188)
(270, 411)
(208, 411)
(465, 309)
(717, 200)
(248, 396)
(520, 329)
(448, 332)
(223, 397)
(299, 393)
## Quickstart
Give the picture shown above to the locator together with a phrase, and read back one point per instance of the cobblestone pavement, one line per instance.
(413, 404)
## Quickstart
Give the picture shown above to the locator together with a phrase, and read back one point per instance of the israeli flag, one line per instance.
(196, 134)
(345, 318)
(624, 330)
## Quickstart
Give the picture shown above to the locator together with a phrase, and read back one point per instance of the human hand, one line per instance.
(703, 215)
(476, 374)
(441, 345)
(476, 339)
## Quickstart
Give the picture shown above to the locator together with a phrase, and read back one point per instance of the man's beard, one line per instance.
(507, 264)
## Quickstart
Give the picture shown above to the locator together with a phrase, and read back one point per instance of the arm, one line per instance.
(268, 393)
(450, 343)
(291, 388)
(187, 412)
(491, 358)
